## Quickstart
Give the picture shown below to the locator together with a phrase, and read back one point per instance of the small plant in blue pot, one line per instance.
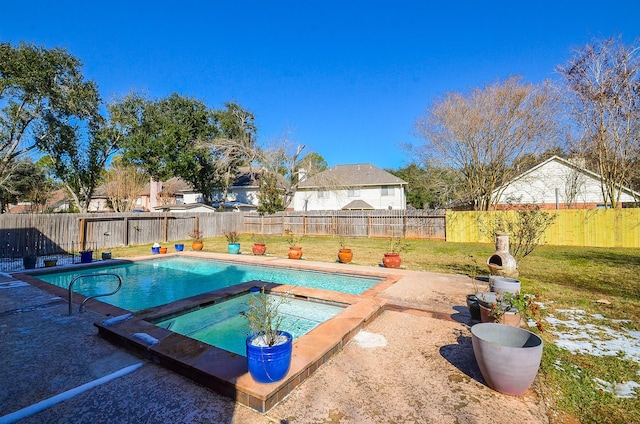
(86, 256)
(268, 348)
(233, 241)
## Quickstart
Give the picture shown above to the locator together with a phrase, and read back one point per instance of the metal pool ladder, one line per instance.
(80, 310)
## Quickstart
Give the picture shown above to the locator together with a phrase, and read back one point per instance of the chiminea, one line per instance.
(501, 262)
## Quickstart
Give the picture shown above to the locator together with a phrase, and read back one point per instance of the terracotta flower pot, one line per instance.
(163, 250)
(295, 252)
(508, 318)
(392, 260)
(345, 256)
(259, 249)
(197, 245)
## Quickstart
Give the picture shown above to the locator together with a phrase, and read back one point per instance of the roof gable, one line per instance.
(553, 174)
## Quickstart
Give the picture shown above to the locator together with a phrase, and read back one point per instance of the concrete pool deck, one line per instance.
(414, 363)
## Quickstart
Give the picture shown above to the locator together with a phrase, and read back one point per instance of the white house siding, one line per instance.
(247, 195)
(310, 200)
(551, 183)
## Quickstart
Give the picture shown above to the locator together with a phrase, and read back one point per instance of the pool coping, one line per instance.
(220, 370)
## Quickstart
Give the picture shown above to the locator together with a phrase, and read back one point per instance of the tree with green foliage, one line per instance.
(26, 182)
(79, 158)
(428, 187)
(45, 102)
(270, 193)
(168, 137)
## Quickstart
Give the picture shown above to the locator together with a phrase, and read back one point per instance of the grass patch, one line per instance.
(564, 278)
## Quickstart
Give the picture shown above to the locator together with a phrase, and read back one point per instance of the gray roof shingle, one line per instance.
(358, 175)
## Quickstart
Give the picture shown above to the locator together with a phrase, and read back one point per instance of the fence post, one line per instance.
(404, 225)
(165, 229)
(125, 230)
(82, 234)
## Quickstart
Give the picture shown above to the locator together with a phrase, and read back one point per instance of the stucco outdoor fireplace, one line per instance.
(502, 262)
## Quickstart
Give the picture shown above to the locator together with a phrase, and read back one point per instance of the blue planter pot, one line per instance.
(233, 248)
(86, 257)
(179, 247)
(155, 250)
(29, 262)
(270, 363)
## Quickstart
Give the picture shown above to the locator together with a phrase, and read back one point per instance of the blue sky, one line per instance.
(346, 78)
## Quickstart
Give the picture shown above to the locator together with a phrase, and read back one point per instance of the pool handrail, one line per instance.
(80, 309)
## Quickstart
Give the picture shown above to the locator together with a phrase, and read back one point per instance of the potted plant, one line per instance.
(508, 357)
(259, 244)
(233, 241)
(392, 258)
(50, 262)
(345, 255)
(29, 261)
(268, 348)
(295, 250)
(508, 308)
(86, 256)
(472, 299)
(197, 243)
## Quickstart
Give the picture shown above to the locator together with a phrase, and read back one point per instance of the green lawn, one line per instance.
(604, 281)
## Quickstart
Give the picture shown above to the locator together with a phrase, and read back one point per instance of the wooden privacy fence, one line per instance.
(573, 227)
(43, 234)
(400, 223)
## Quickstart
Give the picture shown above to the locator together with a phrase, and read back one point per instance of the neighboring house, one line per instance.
(99, 200)
(58, 201)
(350, 187)
(174, 191)
(242, 194)
(557, 183)
(191, 207)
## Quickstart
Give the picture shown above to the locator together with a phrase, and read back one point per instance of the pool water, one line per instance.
(223, 325)
(155, 282)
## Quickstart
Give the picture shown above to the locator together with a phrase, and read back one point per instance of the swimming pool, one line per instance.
(155, 282)
(223, 325)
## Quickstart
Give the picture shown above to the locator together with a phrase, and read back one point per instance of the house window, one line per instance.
(323, 194)
(353, 192)
(387, 190)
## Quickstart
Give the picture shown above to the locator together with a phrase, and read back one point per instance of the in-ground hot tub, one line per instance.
(224, 325)
(223, 370)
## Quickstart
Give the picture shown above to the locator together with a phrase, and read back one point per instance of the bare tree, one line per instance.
(482, 133)
(234, 146)
(123, 185)
(574, 183)
(603, 82)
